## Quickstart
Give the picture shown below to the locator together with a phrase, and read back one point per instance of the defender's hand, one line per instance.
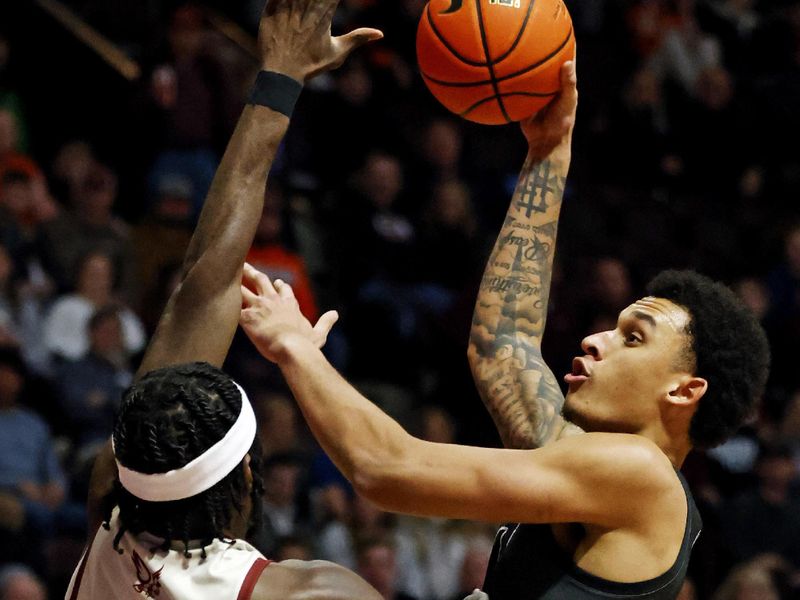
(551, 128)
(477, 595)
(294, 38)
(271, 316)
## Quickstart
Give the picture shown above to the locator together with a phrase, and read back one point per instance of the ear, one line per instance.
(688, 390)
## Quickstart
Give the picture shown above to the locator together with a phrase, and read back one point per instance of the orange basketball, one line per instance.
(494, 61)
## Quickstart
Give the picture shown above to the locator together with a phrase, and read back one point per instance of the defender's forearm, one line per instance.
(518, 389)
(202, 314)
(234, 203)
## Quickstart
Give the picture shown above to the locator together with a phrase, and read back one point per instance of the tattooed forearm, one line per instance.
(516, 385)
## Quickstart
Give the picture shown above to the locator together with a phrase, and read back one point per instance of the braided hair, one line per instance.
(168, 418)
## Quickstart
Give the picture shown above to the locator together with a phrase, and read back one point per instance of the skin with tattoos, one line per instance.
(599, 468)
(519, 390)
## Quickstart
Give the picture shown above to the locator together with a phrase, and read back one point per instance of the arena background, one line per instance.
(113, 114)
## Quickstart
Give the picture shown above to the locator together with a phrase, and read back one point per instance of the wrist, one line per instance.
(291, 347)
(277, 91)
(284, 68)
(560, 156)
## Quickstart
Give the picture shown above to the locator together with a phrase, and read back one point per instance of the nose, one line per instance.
(594, 345)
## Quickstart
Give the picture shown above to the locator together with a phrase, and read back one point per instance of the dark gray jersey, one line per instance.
(528, 564)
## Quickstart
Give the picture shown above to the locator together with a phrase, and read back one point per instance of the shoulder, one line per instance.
(311, 580)
(628, 451)
(630, 464)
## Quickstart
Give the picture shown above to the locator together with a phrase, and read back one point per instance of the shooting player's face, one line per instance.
(626, 374)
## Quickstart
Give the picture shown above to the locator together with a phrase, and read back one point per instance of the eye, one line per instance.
(633, 338)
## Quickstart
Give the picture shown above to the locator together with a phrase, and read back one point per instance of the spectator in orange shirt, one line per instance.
(271, 253)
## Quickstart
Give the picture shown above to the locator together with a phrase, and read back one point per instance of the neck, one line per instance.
(675, 447)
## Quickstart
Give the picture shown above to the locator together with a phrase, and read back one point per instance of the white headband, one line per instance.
(201, 473)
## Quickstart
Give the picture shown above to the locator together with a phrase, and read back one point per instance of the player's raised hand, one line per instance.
(551, 128)
(271, 316)
(294, 38)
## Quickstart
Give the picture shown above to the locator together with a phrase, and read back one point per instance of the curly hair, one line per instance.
(168, 418)
(728, 347)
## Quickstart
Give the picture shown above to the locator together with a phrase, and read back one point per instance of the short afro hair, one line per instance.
(730, 351)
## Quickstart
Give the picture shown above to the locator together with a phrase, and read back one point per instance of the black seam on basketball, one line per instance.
(489, 64)
(504, 77)
(519, 35)
(447, 44)
(503, 95)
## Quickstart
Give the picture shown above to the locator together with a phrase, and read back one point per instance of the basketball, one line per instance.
(494, 61)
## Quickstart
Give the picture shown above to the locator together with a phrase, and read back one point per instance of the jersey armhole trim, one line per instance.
(251, 578)
(81, 568)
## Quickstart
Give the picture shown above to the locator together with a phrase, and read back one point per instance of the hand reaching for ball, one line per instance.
(550, 130)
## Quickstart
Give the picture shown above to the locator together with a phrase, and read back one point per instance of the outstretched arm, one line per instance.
(516, 385)
(202, 314)
(586, 479)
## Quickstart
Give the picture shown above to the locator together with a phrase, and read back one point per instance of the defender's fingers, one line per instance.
(326, 323)
(257, 281)
(248, 297)
(284, 289)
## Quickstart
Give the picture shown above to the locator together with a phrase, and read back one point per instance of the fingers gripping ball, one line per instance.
(494, 61)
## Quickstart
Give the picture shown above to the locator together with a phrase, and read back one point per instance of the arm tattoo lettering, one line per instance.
(518, 388)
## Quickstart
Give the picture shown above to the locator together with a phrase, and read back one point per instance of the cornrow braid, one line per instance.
(168, 418)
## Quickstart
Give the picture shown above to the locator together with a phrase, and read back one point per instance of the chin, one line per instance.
(577, 411)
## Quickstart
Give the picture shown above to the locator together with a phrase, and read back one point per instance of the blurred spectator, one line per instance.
(25, 204)
(686, 50)
(65, 327)
(439, 160)
(448, 237)
(758, 579)
(609, 292)
(784, 281)
(474, 565)
(194, 106)
(91, 387)
(18, 582)
(688, 591)
(377, 564)
(71, 167)
(734, 23)
(12, 146)
(285, 510)
(277, 423)
(641, 120)
(771, 511)
(293, 548)
(433, 551)
(21, 300)
(755, 295)
(347, 112)
(714, 110)
(9, 94)
(161, 238)
(360, 519)
(784, 318)
(272, 255)
(90, 224)
(29, 468)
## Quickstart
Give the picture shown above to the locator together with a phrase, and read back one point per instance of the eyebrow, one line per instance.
(643, 316)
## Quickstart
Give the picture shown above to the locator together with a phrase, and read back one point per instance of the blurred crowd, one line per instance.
(385, 207)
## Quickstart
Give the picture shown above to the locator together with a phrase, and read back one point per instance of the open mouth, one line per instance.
(580, 371)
